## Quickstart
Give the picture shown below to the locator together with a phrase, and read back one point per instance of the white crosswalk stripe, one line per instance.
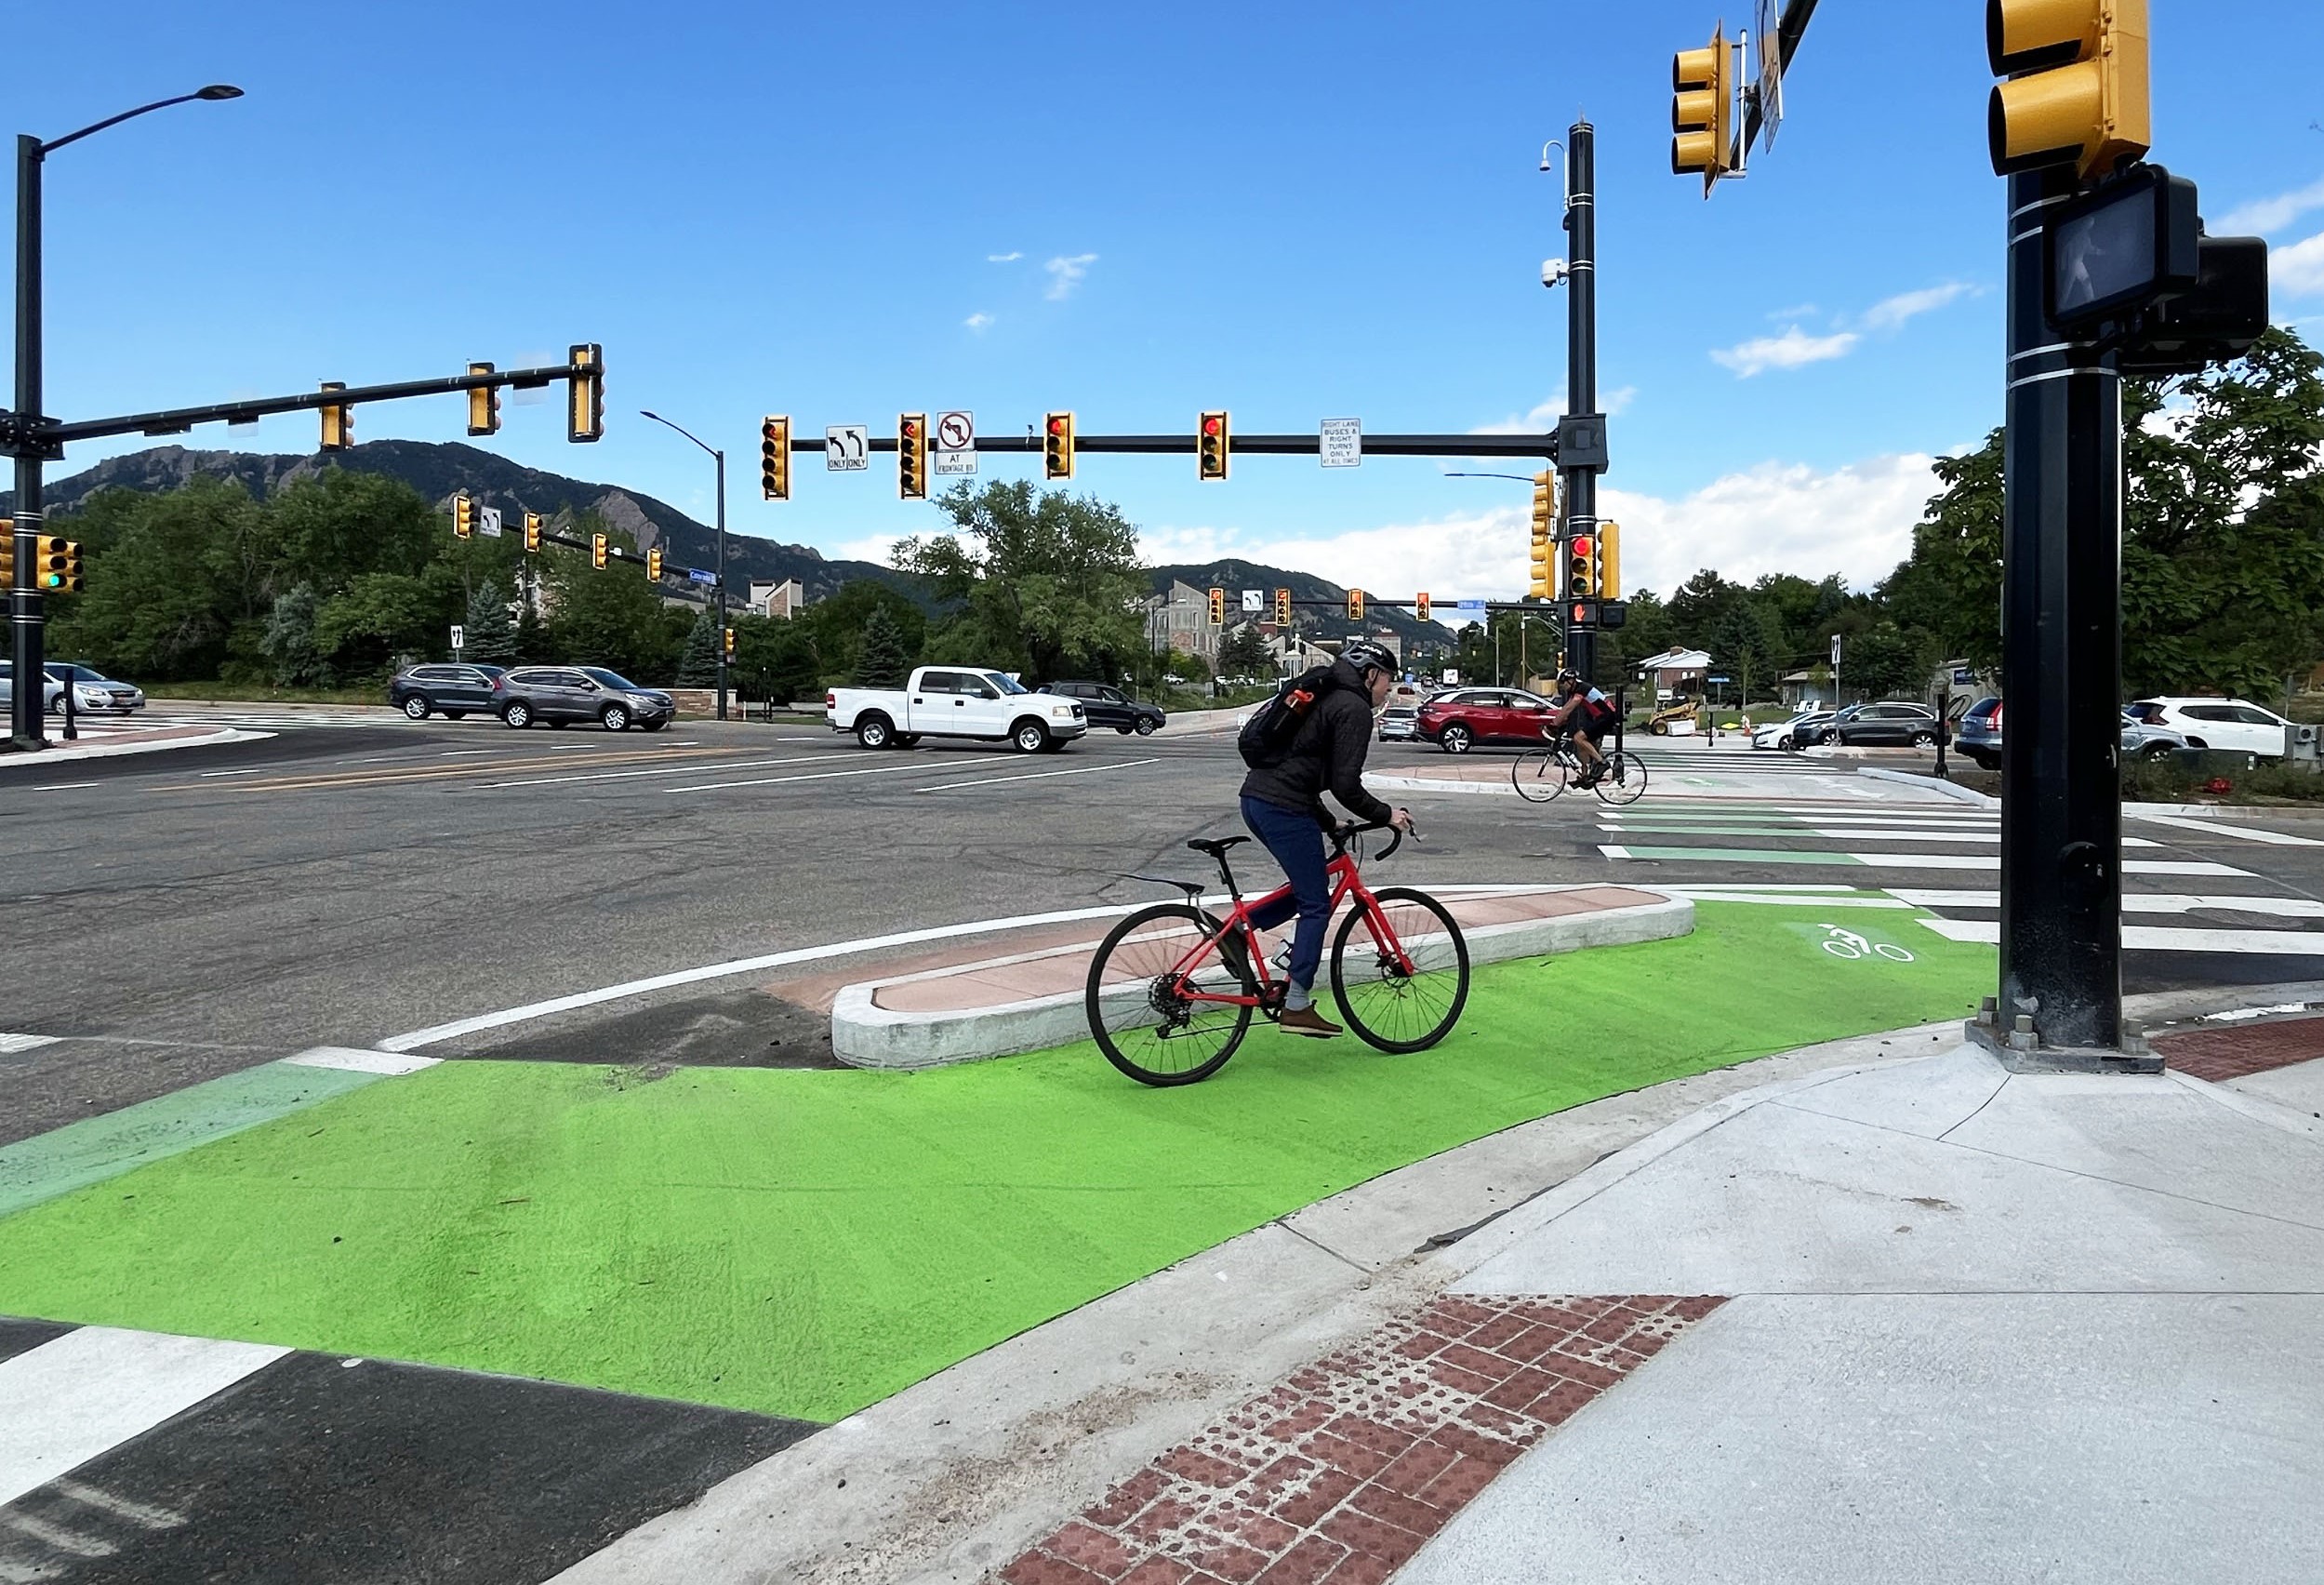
(1886, 857)
(256, 718)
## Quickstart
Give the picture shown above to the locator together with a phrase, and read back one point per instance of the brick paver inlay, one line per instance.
(1340, 1473)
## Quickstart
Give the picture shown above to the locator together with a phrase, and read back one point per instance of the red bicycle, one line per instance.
(1173, 989)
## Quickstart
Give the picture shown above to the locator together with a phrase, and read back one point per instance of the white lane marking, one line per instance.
(11, 1044)
(665, 770)
(1701, 894)
(2163, 938)
(2231, 831)
(2133, 902)
(141, 1513)
(354, 1060)
(63, 786)
(822, 775)
(1770, 887)
(1929, 860)
(56, 1537)
(94, 1388)
(1034, 776)
(1612, 851)
(259, 770)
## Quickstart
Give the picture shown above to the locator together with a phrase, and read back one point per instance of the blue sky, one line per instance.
(1294, 211)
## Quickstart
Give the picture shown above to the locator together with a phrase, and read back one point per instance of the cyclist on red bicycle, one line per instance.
(1283, 805)
(1584, 713)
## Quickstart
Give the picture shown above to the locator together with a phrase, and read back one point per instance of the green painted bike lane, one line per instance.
(805, 1243)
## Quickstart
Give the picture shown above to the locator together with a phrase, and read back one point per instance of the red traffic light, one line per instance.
(1210, 426)
(1581, 547)
(1056, 423)
(909, 429)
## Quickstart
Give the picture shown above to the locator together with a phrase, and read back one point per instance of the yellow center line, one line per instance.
(391, 775)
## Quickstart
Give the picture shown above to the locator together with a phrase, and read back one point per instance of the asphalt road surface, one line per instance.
(191, 914)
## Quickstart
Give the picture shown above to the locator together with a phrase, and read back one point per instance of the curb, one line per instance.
(113, 750)
(1500, 789)
(1960, 795)
(867, 1035)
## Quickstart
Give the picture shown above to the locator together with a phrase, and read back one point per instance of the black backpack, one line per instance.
(1264, 741)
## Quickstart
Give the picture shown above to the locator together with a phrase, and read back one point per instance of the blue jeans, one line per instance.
(1298, 844)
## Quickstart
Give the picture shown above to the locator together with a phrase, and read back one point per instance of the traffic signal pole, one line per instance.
(25, 648)
(2061, 667)
(1581, 365)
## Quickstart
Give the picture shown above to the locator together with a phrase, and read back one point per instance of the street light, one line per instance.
(720, 458)
(24, 604)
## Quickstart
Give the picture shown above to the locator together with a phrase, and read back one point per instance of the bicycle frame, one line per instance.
(1348, 882)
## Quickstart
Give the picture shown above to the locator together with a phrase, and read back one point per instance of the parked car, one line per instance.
(1457, 721)
(955, 701)
(1981, 735)
(1786, 734)
(93, 691)
(1399, 723)
(2216, 723)
(1104, 705)
(1891, 723)
(52, 691)
(562, 694)
(457, 690)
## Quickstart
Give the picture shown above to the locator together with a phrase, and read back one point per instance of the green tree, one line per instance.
(697, 662)
(1054, 578)
(158, 604)
(491, 634)
(836, 625)
(1951, 586)
(1243, 652)
(608, 617)
(775, 659)
(880, 662)
(290, 641)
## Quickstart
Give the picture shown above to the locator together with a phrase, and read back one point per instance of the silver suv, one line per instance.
(560, 694)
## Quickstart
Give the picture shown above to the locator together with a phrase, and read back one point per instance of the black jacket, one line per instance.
(1327, 756)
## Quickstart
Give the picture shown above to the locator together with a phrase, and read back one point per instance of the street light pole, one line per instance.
(25, 603)
(719, 598)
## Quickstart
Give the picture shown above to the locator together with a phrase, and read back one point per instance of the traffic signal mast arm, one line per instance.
(1248, 445)
(177, 421)
(1789, 29)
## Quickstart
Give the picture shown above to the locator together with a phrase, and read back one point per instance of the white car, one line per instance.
(94, 692)
(1786, 734)
(955, 701)
(2232, 724)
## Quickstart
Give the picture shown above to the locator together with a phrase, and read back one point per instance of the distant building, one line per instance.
(1181, 621)
(782, 601)
(1675, 671)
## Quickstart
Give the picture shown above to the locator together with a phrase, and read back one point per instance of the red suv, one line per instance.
(1457, 721)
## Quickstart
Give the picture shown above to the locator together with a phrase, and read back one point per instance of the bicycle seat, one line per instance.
(1215, 846)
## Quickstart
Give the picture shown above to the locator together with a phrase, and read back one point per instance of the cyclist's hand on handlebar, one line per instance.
(1401, 820)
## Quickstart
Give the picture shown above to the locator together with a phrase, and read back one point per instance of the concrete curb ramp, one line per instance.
(1031, 1001)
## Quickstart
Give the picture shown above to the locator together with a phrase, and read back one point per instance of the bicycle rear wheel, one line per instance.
(1139, 1012)
(1624, 780)
(1388, 1004)
(1539, 775)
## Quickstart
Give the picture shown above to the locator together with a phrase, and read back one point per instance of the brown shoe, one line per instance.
(1307, 1021)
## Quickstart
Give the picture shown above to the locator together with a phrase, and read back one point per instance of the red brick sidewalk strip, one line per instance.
(1340, 1473)
(2216, 1053)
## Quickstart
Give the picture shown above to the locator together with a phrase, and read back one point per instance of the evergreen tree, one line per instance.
(882, 662)
(698, 663)
(491, 633)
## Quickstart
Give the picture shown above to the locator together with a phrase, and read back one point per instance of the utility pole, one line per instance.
(24, 601)
(1581, 438)
(721, 457)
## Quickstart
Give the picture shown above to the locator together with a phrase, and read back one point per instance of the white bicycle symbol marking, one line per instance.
(1848, 944)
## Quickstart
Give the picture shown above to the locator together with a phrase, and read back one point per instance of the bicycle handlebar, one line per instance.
(1342, 833)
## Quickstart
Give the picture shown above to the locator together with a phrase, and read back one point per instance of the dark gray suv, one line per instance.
(560, 694)
(453, 688)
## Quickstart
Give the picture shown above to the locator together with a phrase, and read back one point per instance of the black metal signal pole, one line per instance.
(24, 601)
(2061, 667)
(1581, 374)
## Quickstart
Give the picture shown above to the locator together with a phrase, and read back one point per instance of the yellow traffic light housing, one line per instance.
(911, 456)
(339, 420)
(2078, 92)
(1355, 604)
(1420, 605)
(7, 560)
(585, 393)
(1282, 609)
(1545, 534)
(464, 517)
(1703, 111)
(484, 403)
(1057, 446)
(597, 551)
(71, 582)
(56, 565)
(653, 565)
(774, 459)
(1610, 561)
(1581, 567)
(730, 643)
(1211, 445)
(1219, 608)
(532, 533)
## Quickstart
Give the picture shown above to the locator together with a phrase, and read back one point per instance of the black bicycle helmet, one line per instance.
(1366, 655)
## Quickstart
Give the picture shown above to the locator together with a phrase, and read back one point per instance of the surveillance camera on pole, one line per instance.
(1553, 271)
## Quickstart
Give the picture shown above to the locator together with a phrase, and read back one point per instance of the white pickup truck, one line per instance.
(955, 701)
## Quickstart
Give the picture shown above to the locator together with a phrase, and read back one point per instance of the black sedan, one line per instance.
(1104, 705)
(1893, 723)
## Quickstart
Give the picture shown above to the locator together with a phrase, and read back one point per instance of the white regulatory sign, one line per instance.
(1254, 600)
(1834, 649)
(1343, 443)
(847, 448)
(488, 522)
(459, 636)
(955, 437)
(1771, 74)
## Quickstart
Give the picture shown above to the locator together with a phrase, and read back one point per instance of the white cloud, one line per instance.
(978, 320)
(2298, 270)
(1066, 274)
(2265, 215)
(1793, 349)
(1892, 314)
(1544, 416)
(1802, 311)
(1856, 521)
(1004, 258)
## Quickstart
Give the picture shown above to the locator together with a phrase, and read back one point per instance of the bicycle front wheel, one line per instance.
(1539, 775)
(1145, 989)
(1401, 977)
(1623, 780)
